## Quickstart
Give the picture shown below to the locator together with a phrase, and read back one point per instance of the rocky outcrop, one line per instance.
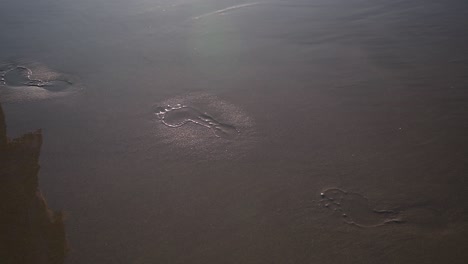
(29, 231)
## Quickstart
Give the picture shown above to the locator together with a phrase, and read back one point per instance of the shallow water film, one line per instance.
(233, 131)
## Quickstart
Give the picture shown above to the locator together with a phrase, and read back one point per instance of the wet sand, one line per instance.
(276, 107)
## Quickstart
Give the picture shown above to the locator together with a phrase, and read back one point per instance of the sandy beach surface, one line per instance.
(227, 131)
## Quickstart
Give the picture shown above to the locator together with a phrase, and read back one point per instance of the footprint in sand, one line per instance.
(355, 209)
(204, 126)
(179, 115)
(35, 82)
(21, 76)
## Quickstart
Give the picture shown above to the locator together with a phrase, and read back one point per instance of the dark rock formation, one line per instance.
(29, 231)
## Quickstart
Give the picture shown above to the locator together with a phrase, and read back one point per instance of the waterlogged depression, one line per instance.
(31, 82)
